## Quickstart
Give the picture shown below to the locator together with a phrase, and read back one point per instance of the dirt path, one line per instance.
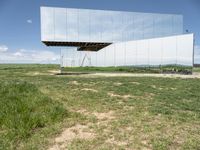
(114, 74)
(194, 75)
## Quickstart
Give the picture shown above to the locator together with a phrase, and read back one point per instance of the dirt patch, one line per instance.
(74, 82)
(104, 74)
(76, 132)
(145, 96)
(91, 90)
(129, 108)
(104, 116)
(136, 83)
(83, 131)
(129, 129)
(53, 72)
(100, 116)
(36, 73)
(155, 87)
(89, 84)
(117, 83)
(82, 111)
(118, 143)
(148, 95)
(194, 75)
(162, 88)
(120, 96)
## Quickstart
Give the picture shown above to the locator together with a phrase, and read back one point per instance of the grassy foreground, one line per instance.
(37, 108)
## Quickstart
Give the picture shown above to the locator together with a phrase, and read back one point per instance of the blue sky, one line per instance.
(20, 23)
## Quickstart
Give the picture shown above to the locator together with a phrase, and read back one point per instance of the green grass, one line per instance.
(158, 113)
(133, 69)
(197, 69)
(24, 110)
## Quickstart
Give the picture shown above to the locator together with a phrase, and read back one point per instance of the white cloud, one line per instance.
(18, 54)
(30, 56)
(29, 21)
(3, 48)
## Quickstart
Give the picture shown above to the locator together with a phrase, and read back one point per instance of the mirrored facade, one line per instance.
(84, 25)
(116, 38)
(173, 50)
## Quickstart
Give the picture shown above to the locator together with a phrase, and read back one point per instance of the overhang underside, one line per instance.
(81, 46)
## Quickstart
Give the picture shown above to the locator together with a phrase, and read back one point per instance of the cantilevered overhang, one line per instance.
(82, 46)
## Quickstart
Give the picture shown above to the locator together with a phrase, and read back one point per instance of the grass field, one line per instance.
(40, 110)
(133, 69)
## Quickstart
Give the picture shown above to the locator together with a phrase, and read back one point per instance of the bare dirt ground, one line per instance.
(76, 132)
(194, 75)
(83, 131)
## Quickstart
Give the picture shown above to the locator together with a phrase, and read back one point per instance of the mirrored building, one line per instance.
(116, 38)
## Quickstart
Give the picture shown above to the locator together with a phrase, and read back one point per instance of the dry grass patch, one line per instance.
(74, 82)
(173, 88)
(84, 132)
(53, 72)
(117, 83)
(136, 83)
(100, 116)
(76, 132)
(161, 88)
(120, 96)
(155, 87)
(145, 96)
(35, 73)
(89, 84)
(91, 90)
(148, 95)
(104, 116)
(115, 142)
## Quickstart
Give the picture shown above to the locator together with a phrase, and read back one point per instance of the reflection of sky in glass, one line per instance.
(148, 52)
(83, 25)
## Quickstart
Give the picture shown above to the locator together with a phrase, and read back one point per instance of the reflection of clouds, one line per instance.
(197, 54)
(157, 51)
(47, 23)
(69, 24)
(197, 49)
(60, 24)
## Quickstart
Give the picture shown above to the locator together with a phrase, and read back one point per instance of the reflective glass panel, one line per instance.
(47, 23)
(84, 25)
(60, 24)
(72, 25)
